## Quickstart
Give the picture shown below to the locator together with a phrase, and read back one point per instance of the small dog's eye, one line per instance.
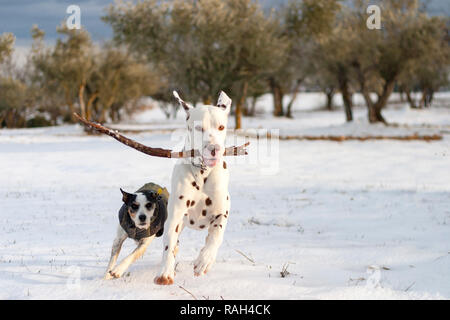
(134, 206)
(148, 206)
(199, 128)
(221, 127)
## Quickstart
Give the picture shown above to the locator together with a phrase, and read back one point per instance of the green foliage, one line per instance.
(38, 121)
(6, 45)
(409, 42)
(13, 102)
(202, 46)
(88, 79)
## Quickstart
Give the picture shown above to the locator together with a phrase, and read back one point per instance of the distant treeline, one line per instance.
(202, 47)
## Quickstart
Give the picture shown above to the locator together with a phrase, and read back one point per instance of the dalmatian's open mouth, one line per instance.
(210, 162)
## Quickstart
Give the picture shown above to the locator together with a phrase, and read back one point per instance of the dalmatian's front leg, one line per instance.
(118, 271)
(172, 229)
(208, 254)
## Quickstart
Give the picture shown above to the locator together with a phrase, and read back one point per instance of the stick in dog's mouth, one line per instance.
(156, 152)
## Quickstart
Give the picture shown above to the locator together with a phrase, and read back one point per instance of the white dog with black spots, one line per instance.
(199, 198)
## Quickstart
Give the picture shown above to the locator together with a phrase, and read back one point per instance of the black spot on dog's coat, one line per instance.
(204, 213)
(208, 201)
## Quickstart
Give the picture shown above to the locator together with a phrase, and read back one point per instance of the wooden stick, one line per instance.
(156, 152)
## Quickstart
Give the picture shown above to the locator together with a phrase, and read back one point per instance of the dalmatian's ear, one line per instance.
(224, 102)
(185, 106)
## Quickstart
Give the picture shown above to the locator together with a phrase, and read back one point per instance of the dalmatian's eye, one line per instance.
(221, 127)
(134, 206)
(148, 206)
(199, 128)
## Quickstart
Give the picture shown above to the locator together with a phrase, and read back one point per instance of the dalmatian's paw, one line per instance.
(204, 262)
(163, 280)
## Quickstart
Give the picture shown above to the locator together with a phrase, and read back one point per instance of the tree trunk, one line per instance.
(366, 94)
(294, 96)
(427, 96)
(347, 97)
(410, 99)
(375, 111)
(430, 97)
(2, 118)
(207, 100)
(330, 94)
(277, 98)
(89, 106)
(239, 104)
(81, 101)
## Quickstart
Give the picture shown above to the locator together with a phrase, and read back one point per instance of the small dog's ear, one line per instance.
(224, 102)
(125, 196)
(185, 106)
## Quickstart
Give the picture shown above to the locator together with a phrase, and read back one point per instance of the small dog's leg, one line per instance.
(117, 245)
(118, 271)
(208, 254)
(172, 230)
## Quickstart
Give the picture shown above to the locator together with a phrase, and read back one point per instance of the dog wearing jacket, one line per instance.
(199, 197)
(141, 218)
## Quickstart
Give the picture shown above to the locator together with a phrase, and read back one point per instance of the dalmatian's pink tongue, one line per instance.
(210, 162)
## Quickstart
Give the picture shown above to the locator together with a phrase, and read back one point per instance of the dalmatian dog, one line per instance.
(199, 197)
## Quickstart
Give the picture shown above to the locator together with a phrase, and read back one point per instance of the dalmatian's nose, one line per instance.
(142, 217)
(213, 148)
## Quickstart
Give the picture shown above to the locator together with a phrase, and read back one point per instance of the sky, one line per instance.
(18, 16)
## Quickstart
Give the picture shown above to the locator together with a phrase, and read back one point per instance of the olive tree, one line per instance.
(202, 46)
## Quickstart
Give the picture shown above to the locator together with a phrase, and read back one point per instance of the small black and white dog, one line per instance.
(141, 218)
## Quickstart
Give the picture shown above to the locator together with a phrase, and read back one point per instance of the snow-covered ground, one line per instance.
(351, 220)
